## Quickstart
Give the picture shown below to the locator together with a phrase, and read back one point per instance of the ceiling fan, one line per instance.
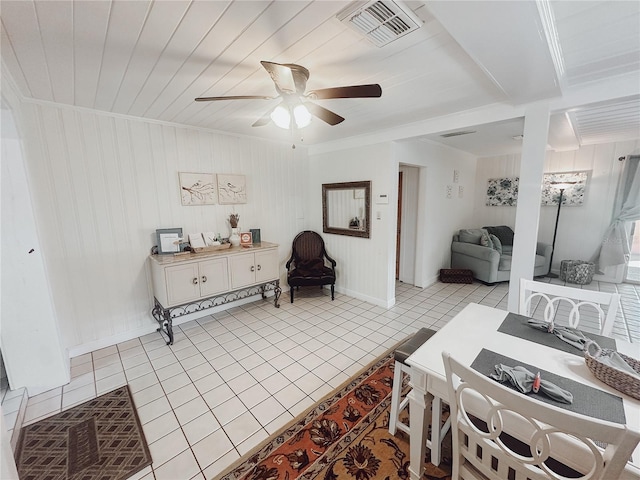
(291, 82)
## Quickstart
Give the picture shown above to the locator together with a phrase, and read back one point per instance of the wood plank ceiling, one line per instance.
(150, 59)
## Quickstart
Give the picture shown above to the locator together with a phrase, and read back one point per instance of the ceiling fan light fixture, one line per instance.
(281, 117)
(302, 116)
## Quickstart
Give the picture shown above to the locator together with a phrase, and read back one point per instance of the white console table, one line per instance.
(183, 284)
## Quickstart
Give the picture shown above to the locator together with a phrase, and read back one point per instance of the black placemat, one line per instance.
(517, 326)
(586, 400)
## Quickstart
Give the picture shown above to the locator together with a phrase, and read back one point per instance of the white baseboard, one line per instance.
(365, 298)
(153, 326)
(113, 340)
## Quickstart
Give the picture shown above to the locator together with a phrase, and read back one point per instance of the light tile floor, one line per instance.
(233, 378)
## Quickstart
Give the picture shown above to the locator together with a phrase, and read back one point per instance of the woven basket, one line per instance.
(621, 381)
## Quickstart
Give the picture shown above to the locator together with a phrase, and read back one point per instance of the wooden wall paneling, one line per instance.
(103, 184)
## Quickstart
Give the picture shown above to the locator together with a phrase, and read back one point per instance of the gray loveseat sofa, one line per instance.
(487, 253)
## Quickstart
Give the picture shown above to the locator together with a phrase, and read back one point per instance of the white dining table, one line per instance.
(464, 336)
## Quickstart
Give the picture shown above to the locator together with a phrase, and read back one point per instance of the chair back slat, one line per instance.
(567, 305)
(499, 433)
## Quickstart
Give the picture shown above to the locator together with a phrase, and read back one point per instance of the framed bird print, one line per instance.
(197, 188)
(231, 189)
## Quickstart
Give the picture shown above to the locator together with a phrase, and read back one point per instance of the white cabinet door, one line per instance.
(214, 277)
(266, 265)
(243, 270)
(183, 283)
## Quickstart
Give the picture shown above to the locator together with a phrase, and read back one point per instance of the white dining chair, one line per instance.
(527, 439)
(556, 298)
(401, 368)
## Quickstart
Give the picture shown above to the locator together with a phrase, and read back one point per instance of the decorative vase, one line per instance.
(234, 239)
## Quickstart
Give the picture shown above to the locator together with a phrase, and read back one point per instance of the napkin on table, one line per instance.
(522, 379)
(567, 334)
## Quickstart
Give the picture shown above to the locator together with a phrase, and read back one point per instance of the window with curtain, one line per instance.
(615, 249)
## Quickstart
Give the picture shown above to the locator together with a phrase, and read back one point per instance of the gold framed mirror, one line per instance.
(346, 208)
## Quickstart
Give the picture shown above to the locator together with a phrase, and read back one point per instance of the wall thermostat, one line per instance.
(382, 198)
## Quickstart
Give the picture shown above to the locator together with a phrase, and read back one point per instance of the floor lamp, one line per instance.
(562, 186)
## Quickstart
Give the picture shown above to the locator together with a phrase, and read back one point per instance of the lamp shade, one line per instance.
(302, 116)
(281, 116)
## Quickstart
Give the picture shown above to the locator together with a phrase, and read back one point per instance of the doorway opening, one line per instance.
(407, 223)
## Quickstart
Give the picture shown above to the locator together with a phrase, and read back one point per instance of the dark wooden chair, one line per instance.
(308, 263)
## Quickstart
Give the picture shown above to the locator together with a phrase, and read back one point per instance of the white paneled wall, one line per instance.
(101, 186)
(580, 229)
(365, 266)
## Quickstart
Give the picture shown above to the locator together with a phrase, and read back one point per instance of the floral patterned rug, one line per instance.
(345, 436)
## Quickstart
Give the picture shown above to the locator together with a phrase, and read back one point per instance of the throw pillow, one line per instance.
(485, 240)
(471, 235)
(311, 267)
(497, 244)
(503, 232)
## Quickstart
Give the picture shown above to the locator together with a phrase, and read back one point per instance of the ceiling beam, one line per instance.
(501, 37)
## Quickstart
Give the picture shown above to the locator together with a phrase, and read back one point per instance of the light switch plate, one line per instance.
(382, 198)
(449, 193)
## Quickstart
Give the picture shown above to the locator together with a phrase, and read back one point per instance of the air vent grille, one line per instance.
(380, 21)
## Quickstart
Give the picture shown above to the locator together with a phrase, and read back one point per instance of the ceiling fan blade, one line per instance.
(323, 114)
(237, 97)
(354, 91)
(288, 77)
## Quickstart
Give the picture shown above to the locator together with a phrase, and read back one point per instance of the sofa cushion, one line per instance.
(505, 262)
(539, 261)
(310, 268)
(497, 244)
(471, 235)
(503, 232)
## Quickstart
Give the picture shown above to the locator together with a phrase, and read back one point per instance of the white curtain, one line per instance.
(615, 247)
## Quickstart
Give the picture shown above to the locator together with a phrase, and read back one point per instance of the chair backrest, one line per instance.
(526, 438)
(308, 245)
(536, 297)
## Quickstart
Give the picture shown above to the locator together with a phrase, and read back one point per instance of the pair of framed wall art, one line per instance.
(209, 188)
(504, 191)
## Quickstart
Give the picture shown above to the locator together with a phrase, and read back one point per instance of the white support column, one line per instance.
(534, 144)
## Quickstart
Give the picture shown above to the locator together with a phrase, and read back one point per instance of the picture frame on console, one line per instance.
(169, 240)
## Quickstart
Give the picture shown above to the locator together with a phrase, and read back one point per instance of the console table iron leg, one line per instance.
(168, 325)
(276, 294)
(163, 317)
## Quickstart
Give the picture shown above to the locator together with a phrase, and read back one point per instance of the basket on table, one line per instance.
(622, 381)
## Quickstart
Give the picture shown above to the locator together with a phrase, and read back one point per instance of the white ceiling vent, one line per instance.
(380, 21)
